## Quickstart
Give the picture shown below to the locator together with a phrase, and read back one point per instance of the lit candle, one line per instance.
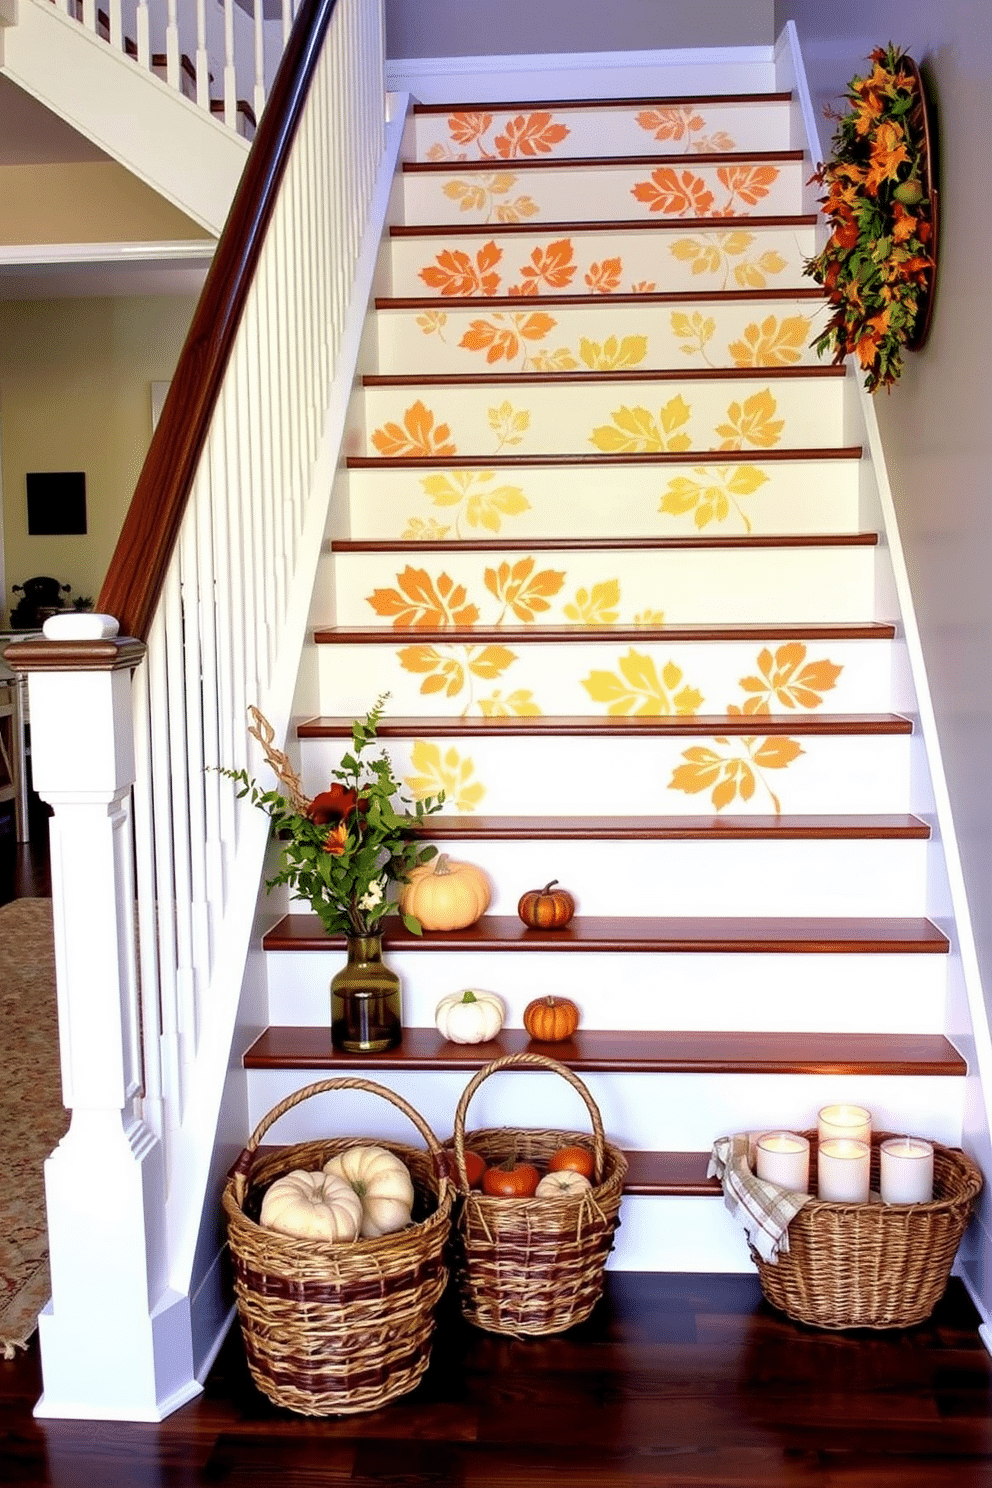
(843, 1170)
(783, 1158)
(844, 1121)
(906, 1171)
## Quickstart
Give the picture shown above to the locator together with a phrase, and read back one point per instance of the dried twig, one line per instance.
(265, 733)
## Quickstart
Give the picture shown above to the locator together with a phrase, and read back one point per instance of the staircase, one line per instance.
(609, 539)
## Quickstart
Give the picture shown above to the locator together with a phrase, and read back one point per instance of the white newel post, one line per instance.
(115, 1339)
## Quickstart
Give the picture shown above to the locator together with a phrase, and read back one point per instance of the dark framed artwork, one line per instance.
(56, 503)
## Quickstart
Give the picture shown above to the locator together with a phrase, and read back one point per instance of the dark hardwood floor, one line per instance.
(686, 1381)
(674, 1380)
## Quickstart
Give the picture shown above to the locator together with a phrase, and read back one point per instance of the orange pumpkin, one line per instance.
(546, 909)
(551, 1020)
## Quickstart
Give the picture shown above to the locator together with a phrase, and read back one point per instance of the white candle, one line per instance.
(783, 1158)
(906, 1171)
(844, 1121)
(843, 1170)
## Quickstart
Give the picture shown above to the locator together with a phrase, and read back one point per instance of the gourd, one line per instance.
(563, 1185)
(572, 1160)
(445, 894)
(470, 1017)
(551, 1020)
(312, 1206)
(511, 1180)
(382, 1184)
(546, 909)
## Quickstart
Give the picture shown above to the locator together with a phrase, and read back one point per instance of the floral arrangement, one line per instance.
(877, 263)
(342, 848)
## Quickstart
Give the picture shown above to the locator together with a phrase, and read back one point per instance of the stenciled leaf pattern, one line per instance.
(595, 606)
(519, 704)
(745, 184)
(682, 124)
(418, 435)
(713, 495)
(530, 134)
(479, 502)
(432, 323)
(486, 194)
(450, 669)
(722, 253)
(637, 431)
(448, 772)
(468, 128)
(674, 193)
(604, 277)
(637, 689)
(789, 679)
(509, 424)
(419, 529)
(420, 603)
(502, 337)
(560, 360)
(773, 343)
(456, 273)
(614, 352)
(736, 772)
(519, 588)
(751, 422)
(694, 331)
(550, 267)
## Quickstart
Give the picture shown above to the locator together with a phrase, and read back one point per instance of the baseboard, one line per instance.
(654, 74)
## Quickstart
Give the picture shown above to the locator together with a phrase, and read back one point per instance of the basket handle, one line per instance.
(241, 1172)
(525, 1061)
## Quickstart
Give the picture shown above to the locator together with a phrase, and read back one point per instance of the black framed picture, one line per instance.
(56, 503)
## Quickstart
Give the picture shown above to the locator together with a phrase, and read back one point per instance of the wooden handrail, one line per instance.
(134, 579)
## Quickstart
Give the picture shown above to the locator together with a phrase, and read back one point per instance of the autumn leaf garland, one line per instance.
(877, 263)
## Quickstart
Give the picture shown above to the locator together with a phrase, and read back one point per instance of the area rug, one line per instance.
(32, 1117)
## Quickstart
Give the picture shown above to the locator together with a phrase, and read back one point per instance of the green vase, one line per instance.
(366, 1016)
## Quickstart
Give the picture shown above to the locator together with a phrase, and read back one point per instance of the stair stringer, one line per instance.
(967, 1015)
(166, 140)
(216, 1120)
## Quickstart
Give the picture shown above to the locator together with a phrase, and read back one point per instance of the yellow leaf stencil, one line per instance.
(734, 773)
(519, 704)
(595, 606)
(635, 431)
(774, 343)
(449, 773)
(711, 497)
(789, 679)
(639, 690)
(752, 422)
(613, 353)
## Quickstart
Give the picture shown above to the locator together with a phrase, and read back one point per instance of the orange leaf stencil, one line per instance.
(418, 436)
(454, 272)
(531, 134)
(674, 193)
(748, 183)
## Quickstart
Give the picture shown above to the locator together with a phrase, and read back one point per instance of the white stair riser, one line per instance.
(716, 586)
(902, 993)
(633, 776)
(435, 678)
(603, 193)
(708, 878)
(774, 496)
(601, 337)
(691, 127)
(641, 1112)
(586, 417)
(635, 261)
(678, 1233)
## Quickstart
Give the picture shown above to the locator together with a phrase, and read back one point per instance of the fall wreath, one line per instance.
(878, 264)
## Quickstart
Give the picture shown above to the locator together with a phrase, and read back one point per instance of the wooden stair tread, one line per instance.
(816, 371)
(721, 934)
(599, 162)
(632, 1051)
(558, 301)
(672, 828)
(823, 630)
(599, 104)
(607, 225)
(612, 544)
(580, 457)
(721, 724)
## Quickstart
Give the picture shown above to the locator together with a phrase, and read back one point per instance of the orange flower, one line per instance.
(336, 841)
(888, 153)
(866, 350)
(845, 236)
(904, 225)
(332, 805)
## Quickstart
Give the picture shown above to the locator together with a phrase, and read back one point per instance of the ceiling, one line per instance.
(31, 134)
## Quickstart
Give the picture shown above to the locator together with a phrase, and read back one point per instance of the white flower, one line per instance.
(373, 895)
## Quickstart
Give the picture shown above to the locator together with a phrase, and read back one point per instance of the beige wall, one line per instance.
(74, 395)
(937, 422)
(465, 28)
(92, 201)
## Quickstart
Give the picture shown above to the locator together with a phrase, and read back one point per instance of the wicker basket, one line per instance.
(533, 1266)
(334, 1329)
(873, 1265)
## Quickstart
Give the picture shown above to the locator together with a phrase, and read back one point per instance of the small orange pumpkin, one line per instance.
(551, 1020)
(546, 909)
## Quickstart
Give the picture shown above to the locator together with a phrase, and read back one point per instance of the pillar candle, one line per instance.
(906, 1171)
(843, 1170)
(844, 1121)
(783, 1158)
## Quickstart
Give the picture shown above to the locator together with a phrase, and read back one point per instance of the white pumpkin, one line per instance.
(312, 1206)
(470, 1017)
(382, 1183)
(562, 1185)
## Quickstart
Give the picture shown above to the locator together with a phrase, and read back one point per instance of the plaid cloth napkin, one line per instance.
(764, 1209)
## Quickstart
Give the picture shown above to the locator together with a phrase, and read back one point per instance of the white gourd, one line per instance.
(312, 1206)
(470, 1017)
(563, 1185)
(382, 1183)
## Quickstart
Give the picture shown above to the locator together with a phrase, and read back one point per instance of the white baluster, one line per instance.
(172, 76)
(89, 15)
(202, 57)
(142, 38)
(258, 97)
(230, 73)
(115, 1340)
